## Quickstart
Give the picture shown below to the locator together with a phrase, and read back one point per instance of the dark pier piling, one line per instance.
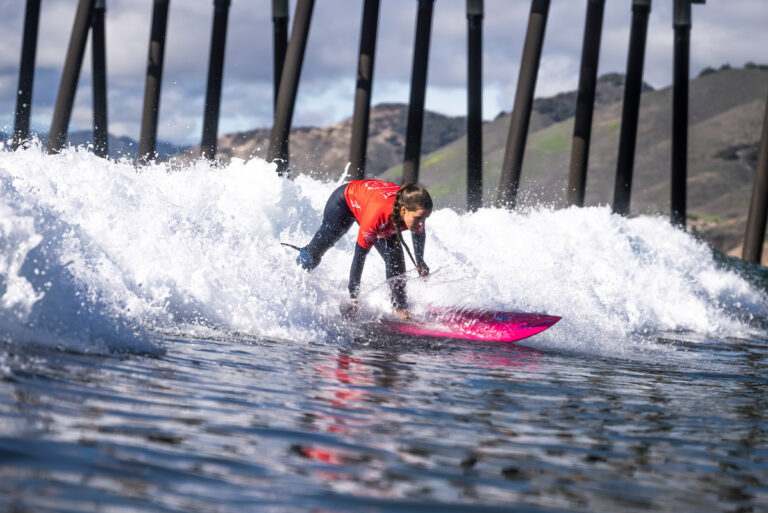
(630, 115)
(215, 79)
(415, 125)
(474, 104)
(26, 73)
(153, 82)
(361, 116)
(99, 60)
(682, 57)
(585, 103)
(279, 42)
(758, 207)
(65, 99)
(289, 85)
(521, 113)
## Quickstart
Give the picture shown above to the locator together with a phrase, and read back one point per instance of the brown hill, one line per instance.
(324, 152)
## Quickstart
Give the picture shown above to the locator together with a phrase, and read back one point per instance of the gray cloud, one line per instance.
(723, 32)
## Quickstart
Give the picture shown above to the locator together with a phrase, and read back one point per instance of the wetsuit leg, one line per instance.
(337, 218)
(391, 251)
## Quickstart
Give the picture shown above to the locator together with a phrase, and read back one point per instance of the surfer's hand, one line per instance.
(349, 310)
(423, 269)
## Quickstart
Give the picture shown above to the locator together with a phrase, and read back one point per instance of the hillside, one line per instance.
(324, 151)
(609, 89)
(726, 116)
(546, 112)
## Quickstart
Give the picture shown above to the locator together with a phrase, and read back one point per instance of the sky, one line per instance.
(724, 31)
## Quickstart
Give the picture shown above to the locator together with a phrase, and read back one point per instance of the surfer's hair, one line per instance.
(412, 197)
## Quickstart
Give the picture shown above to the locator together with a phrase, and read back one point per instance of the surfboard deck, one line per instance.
(466, 324)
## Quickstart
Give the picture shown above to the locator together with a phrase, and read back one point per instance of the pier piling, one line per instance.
(26, 73)
(758, 207)
(415, 125)
(289, 85)
(361, 116)
(475, 13)
(279, 43)
(153, 82)
(521, 112)
(682, 57)
(65, 99)
(585, 103)
(215, 76)
(99, 69)
(633, 88)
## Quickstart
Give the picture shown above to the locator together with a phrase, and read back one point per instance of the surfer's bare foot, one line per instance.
(349, 310)
(403, 314)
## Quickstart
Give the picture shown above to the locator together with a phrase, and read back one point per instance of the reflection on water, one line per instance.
(221, 425)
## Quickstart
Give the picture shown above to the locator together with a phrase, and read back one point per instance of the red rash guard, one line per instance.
(371, 202)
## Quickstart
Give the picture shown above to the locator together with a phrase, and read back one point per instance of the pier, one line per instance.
(288, 51)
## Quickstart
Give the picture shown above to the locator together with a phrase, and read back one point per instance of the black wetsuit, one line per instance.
(337, 219)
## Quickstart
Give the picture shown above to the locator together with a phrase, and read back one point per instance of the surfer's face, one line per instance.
(414, 219)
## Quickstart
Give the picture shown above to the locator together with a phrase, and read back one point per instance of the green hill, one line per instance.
(726, 116)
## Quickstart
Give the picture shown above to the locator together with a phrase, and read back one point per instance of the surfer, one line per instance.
(383, 210)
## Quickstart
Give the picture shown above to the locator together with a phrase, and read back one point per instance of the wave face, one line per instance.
(96, 255)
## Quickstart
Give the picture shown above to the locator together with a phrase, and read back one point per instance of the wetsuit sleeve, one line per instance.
(419, 240)
(392, 253)
(356, 271)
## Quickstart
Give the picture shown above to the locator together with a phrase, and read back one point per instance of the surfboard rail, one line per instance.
(470, 324)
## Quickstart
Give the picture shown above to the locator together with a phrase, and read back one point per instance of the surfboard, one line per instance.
(468, 324)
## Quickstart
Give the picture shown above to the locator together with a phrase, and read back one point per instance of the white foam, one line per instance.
(100, 254)
(609, 277)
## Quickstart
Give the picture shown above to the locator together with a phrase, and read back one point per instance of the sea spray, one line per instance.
(122, 252)
(611, 278)
(44, 298)
(17, 238)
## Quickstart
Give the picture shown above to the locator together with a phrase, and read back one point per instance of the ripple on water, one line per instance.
(218, 425)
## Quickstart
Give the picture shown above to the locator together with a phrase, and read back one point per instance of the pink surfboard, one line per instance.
(483, 325)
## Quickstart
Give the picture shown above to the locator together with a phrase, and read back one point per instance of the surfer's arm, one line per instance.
(392, 253)
(356, 271)
(419, 240)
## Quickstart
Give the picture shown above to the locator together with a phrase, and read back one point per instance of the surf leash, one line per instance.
(291, 246)
(409, 275)
(400, 236)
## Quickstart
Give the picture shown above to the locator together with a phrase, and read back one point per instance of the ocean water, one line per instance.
(161, 351)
